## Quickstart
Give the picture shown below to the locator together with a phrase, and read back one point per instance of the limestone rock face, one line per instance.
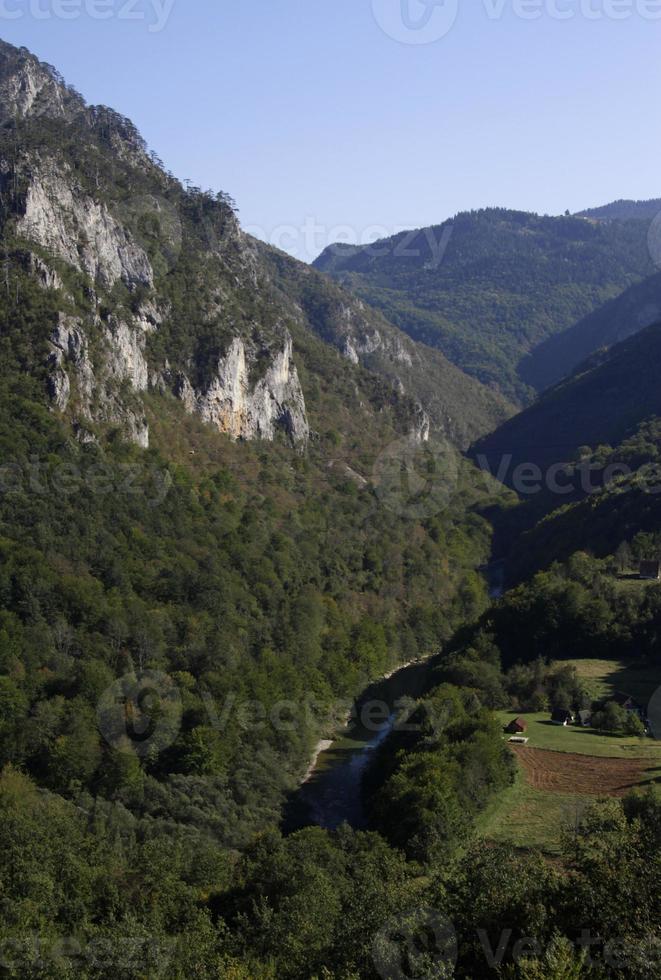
(421, 430)
(99, 362)
(360, 339)
(82, 232)
(69, 352)
(126, 359)
(28, 88)
(153, 279)
(92, 393)
(41, 271)
(235, 401)
(246, 409)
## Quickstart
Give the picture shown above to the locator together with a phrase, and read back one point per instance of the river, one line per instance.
(333, 792)
(495, 576)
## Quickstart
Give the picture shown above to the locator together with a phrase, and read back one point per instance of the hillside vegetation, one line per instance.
(257, 571)
(624, 211)
(488, 287)
(634, 310)
(458, 406)
(231, 497)
(601, 404)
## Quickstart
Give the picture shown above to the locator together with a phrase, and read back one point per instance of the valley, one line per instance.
(281, 560)
(332, 793)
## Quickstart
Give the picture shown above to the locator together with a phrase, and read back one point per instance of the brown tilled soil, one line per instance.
(562, 772)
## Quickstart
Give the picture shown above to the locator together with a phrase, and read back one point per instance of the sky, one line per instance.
(350, 120)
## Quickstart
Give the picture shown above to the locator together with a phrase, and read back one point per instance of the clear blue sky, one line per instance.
(306, 110)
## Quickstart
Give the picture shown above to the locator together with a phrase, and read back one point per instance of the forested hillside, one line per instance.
(624, 211)
(201, 506)
(256, 550)
(231, 496)
(163, 291)
(488, 287)
(604, 402)
(614, 504)
(635, 309)
(457, 405)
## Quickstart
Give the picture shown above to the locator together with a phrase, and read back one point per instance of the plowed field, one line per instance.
(562, 772)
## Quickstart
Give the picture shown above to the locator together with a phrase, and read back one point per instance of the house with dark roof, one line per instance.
(517, 727)
(627, 702)
(561, 716)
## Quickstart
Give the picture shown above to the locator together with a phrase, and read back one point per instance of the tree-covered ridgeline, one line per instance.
(489, 286)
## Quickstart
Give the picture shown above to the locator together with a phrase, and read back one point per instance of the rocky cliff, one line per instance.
(29, 88)
(68, 223)
(161, 291)
(448, 403)
(88, 232)
(250, 411)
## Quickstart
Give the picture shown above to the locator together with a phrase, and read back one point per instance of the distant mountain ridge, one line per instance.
(488, 287)
(624, 210)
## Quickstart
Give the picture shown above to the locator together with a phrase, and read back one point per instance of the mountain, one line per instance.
(453, 404)
(488, 287)
(624, 211)
(636, 308)
(619, 512)
(165, 292)
(204, 487)
(218, 525)
(602, 403)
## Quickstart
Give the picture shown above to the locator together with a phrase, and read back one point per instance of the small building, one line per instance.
(562, 717)
(517, 727)
(650, 571)
(627, 702)
(519, 740)
(585, 717)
